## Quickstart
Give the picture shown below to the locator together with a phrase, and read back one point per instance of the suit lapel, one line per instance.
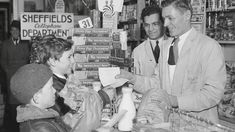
(148, 50)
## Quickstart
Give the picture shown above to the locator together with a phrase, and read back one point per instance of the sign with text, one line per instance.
(41, 24)
(85, 23)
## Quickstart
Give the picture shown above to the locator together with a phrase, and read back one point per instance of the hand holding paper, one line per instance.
(126, 75)
(107, 77)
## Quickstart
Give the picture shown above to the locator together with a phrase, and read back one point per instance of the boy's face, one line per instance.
(64, 64)
(46, 96)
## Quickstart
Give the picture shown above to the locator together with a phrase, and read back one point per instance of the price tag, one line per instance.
(85, 23)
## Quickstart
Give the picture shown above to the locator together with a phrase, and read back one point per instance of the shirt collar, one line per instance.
(60, 76)
(185, 35)
(154, 41)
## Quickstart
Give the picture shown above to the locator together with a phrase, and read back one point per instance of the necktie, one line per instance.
(156, 51)
(173, 52)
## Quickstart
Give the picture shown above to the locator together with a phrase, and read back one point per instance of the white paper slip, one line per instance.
(107, 77)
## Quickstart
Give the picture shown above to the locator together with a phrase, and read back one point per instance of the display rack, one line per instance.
(182, 121)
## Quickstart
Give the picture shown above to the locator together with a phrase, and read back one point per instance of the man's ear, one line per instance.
(187, 15)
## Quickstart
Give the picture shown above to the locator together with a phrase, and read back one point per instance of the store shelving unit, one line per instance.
(220, 25)
(129, 20)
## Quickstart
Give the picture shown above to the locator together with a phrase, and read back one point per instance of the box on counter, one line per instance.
(98, 41)
(87, 74)
(91, 66)
(92, 32)
(92, 49)
(122, 62)
(118, 53)
(91, 57)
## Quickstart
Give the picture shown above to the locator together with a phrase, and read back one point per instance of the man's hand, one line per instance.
(126, 75)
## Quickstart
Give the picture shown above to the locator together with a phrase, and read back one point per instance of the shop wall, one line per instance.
(20, 6)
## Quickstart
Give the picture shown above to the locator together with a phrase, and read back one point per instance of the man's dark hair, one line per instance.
(181, 5)
(149, 10)
(16, 24)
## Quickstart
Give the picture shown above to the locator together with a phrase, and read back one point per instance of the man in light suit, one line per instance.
(195, 83)
(144, 60)
(146, 54)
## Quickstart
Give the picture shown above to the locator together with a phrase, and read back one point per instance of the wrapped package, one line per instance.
(86, 106)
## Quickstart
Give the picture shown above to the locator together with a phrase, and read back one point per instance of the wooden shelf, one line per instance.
(222, 10)
(226, 42)
(133, 21)
(129, 2)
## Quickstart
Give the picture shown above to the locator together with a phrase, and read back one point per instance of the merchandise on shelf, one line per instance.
(220, 20)
(226, 106)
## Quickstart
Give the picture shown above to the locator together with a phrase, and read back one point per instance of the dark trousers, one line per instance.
(10, 122)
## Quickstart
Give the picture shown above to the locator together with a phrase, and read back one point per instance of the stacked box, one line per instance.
(92, 32)
(93, 54)
(95, 17)
(120, 57)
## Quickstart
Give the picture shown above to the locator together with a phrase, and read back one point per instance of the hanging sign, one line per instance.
(41, 24)
(111, 5)
(85, 23)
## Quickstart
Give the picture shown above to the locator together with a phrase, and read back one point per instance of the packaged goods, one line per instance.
(92, 49)
(91, 66)
(94, 32)
(91, 57)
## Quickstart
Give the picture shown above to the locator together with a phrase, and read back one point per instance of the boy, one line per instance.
(32, 86)
(57, 53)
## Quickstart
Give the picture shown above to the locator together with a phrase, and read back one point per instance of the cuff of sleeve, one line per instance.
(105, 98)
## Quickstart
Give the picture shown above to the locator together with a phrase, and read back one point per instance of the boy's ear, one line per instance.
(36, 98)
(51, 62)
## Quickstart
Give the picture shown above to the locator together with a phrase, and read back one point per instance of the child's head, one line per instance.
(57, 53)
(32, 84)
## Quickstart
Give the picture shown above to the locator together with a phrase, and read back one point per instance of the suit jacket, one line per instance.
(144, 64)
(199, 77)
(12, 58)
(144, 61)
